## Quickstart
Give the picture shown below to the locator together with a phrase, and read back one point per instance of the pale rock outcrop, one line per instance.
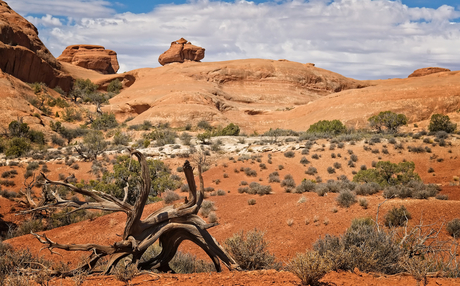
(23, 55)
(91, 57)
(181, 51)
(427, 71)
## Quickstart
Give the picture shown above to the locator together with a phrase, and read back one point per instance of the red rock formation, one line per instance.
(427, 71)
(91, 57)
(181, 51)
(23, 55)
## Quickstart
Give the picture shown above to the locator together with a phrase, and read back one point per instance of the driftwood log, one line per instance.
(170, 226)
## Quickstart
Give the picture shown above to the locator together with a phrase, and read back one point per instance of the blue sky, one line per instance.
(363, 39)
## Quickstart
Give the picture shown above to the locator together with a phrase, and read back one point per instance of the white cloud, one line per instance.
(67, 8)
(357, 38)
(47, 21)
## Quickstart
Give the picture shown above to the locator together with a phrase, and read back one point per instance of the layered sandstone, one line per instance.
(181, 51)
(22, 53)
(427, 71)
(91, 57)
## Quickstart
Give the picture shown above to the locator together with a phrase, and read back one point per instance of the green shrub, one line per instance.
(390, 120)
(250, 250)
(203, 124)
(453, 227)
(439, 122)
(17, 147)
(121, 138)
(397, 217)
(115, 86)
(387, 173)
(104, 122)
(230, 130)
(81, 89)
(326, 126)
(71, 114)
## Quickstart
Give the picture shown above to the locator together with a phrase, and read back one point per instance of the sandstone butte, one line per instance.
(23, 55)
(181, 51)
(427, 71)
(91, 57)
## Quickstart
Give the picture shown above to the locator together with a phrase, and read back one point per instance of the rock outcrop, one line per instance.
(427, 71)
(23, 55)
(91, 57)
(181, 51)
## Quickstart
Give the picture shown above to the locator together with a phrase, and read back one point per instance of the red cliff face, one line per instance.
(91, 57)
(181, 51)
(23, 55)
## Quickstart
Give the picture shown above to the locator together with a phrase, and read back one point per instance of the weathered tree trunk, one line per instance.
(170, 225)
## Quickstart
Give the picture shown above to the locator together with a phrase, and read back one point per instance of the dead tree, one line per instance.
(170, 226)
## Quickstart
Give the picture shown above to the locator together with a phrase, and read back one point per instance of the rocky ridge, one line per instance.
(23, 54)
(91, 57)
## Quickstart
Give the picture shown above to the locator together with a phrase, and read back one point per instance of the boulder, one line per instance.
(23, 55)
(181, 51)
(427, 71)
(91, 57)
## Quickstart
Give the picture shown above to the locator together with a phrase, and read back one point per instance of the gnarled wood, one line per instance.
(170, 226)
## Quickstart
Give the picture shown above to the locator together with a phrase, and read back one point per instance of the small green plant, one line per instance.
(439, 122)
(115, 86)
(326, 126)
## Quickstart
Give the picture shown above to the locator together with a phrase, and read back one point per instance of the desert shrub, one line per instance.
(121, 138)
(363, 203)
(367, 189)
(221, 192)
(315, 156)
(289, 154)
(187, 263)
(439, 122)
(251, 202)
(363, 247)
(57, 140)
(346, 198)
(104, 122)
(305, 186)
(256, 188)
(243, 190)
(311, 171)
(250, 250)
(327, 126)
(442, 197)
(387, 173)
(207, 207)
(330, 170)
(8, 194)
(169, 197)
(115, 86)
(274, 177)
(310, 267)
(250, 172)
(17, 147)
(337, 165)
(453, 227)
(288, 182)
(243, 183)
(397, 217)
(390, 120)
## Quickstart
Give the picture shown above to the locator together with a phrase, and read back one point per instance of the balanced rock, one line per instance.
(181, 51)
(91, 57)
(23, 55)
(427, 71)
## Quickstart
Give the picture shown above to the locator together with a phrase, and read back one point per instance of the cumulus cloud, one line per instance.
(357, 38)
(47, 21)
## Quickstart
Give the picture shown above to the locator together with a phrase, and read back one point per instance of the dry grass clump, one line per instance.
(346, 198)
(250, 250)
(310, 267)
(169, 197)
(397, 217)
(453, 227)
